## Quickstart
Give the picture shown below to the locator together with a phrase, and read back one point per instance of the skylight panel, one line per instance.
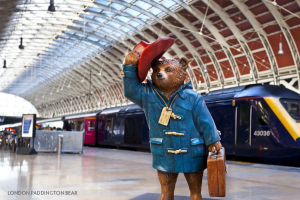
(168, 3)
(86, 42)
(75, 27)
(40, 14)
(124, 29)
(143, 5)
(144, 18)
(134, 24)
(114, 24)
(108, 13)
(106, 30)
(117, 6)
(123, 19)
(87, 16)
(102, 2)
(92, 25)
(155, 11)
(93, 39)
(100, 19)
(93, 9)
(102, 43)
(79, 34)
(132, 12)
(117, 34)
(69, 32)
(63, 36)
(78, 22)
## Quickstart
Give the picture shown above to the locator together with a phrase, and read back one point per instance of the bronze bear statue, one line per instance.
(193, 129)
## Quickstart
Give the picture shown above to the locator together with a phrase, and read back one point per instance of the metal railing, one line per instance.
(48, 141)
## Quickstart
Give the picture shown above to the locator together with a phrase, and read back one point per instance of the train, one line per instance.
(260, 121)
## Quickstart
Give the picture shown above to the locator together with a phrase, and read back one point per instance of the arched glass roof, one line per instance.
(72, 57)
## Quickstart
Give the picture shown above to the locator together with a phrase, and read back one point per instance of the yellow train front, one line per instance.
(261, 121)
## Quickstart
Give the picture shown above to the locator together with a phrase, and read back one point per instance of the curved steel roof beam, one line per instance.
(187, 24)
(84, 67)
(178, 34)
(55, 92)
(150, 27)
(59, 83)
(262, 35)
(215, 32)
(238, 35)
(288, 36)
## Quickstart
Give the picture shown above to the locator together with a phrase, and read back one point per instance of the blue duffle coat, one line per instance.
(192, 133)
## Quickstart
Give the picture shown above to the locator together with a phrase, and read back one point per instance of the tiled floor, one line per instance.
(109, 174)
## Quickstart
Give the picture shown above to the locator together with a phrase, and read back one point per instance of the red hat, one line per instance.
(149, 52)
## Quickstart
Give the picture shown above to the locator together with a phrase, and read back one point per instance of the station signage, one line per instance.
(28, 125)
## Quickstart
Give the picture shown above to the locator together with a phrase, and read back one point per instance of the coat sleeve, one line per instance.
(204, 122)
(133, 89)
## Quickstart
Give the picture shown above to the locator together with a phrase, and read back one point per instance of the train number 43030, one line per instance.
(262, 133)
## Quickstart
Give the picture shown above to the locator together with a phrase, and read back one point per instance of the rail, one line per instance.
(47, 141)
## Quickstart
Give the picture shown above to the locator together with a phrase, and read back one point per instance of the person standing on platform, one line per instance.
(67, 126)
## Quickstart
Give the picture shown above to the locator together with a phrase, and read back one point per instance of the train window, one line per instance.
(292, 107)
(263, 114)
(244, 114)
(108, 129)
(91, 125)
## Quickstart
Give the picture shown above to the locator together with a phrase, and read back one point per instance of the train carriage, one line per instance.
(259, 121)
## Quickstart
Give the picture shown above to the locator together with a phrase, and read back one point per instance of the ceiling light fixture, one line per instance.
(205, 68)
(21, 44)
(51, 8)
(280, 52)
(4, 64)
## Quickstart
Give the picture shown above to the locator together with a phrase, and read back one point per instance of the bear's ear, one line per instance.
(184, 62)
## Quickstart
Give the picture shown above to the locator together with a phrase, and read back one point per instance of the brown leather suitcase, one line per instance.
(216, 174)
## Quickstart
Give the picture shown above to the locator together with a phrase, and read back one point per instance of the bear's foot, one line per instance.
(196, 197)
(166, 197)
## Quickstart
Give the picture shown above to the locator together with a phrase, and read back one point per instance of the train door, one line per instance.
(261, 131)
(108, 132)
(101, 129)
(243, 124)
(90, 131)
(133, 130)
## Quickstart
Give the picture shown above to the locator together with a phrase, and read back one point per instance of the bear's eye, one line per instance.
(168, 70)
(156, 70)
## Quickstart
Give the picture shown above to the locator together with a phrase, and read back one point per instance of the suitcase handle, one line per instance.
(215, 151)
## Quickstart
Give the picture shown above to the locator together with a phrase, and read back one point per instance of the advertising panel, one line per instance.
(28, 125)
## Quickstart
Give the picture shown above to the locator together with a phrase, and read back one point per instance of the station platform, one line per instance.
(109, 174)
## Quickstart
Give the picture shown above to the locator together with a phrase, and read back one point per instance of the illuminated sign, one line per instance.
(28, 125)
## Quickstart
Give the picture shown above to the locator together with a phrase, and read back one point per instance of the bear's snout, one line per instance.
(159, 75)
